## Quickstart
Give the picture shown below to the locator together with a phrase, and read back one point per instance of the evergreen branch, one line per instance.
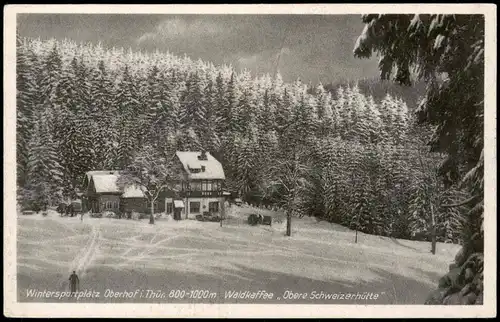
(462, 203)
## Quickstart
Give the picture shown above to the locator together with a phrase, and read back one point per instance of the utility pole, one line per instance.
(223, 211)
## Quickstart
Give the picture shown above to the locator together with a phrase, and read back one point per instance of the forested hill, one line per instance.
(348, 158)
(379, 88)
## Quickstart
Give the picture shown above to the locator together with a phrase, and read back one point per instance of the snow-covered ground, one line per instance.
(128, 255)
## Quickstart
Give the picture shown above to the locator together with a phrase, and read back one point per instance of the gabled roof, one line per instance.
(90, 173)
(190, 161)
(105, 182)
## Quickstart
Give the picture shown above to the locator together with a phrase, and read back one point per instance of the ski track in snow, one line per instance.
(84, 258)
(90, 252)
(206, 247)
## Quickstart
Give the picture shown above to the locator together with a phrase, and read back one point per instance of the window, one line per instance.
(169, 208)
(194, 207)
(207, 185)
(109, 205)
(196, 186)
(195, 170)
(213, 206)
(116, 205)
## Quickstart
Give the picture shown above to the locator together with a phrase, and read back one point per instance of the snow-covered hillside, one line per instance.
(125, 255)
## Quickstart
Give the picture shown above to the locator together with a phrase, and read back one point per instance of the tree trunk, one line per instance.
(357, 226)
(152, 216)
(223, 213)
(289, 224)
(433, 232)
(433, 241)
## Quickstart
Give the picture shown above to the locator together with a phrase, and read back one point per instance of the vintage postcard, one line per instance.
(250, 160)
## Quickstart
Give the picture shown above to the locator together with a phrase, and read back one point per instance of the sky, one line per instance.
(313, 48)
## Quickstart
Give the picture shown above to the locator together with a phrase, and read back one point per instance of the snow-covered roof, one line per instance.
(212, 167)
(105, 183)
(133, 192)
(89, 174)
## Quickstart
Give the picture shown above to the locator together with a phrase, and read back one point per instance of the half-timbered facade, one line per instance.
(202, 184)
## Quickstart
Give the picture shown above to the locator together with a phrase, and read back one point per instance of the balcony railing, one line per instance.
(202, 194)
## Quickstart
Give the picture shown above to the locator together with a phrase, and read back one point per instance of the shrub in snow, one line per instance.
(108, 214)
(255, 219)
(135, 215)
(278, 219)
(51, 212)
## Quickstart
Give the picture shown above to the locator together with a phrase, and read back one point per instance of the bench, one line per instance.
(255, 219)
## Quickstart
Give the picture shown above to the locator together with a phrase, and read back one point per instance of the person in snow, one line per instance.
(61, 209)
(74, 283)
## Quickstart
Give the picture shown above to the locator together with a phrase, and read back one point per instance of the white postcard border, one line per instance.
(12, 308)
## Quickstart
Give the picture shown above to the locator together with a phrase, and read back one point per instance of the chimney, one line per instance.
(202, 168)
(203, 155)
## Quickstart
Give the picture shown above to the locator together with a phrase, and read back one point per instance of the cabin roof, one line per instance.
(190, 161)
(105, 183)
(100, 172)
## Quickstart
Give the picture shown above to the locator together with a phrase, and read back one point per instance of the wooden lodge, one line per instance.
(197, 189)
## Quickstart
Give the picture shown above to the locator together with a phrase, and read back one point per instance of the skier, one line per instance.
(74, 283)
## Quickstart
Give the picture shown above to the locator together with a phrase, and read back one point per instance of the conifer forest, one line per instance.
(82, 107)
(381, 163)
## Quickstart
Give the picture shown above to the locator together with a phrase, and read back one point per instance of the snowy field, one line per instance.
(130, 256)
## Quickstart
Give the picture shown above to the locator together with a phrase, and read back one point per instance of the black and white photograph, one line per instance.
(236, 156)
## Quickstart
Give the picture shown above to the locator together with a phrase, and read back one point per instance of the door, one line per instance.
(177, 213)
(95, 206)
